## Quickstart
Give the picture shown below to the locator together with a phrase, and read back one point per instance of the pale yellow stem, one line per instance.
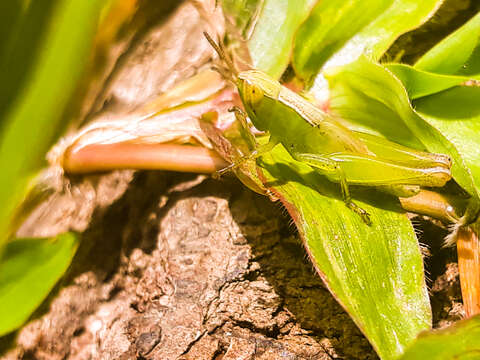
(435, 205)
(468, 248)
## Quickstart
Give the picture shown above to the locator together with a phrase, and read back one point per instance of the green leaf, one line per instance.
(11, 11)
(272, 39)
(459, 341)
(29, 269)
(375, 272)
(339, 31)
(457, 54)
(419, 83)
(452, 62)
(373, 99)
(31, 119)
(456, 113)
(243, 14)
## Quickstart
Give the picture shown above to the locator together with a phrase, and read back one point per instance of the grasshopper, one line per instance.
(319, 140)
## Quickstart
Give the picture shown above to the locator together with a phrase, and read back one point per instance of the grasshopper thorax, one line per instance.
(253, 80)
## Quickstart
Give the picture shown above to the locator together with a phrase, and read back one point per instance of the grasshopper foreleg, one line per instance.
(241, 116)
(259, 151)
(331, 167)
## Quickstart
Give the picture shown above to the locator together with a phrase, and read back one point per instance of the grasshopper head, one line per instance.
(254, 86)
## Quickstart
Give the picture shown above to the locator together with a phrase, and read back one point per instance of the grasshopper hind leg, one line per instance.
(328, 166)
(360, 211)
(347, 198)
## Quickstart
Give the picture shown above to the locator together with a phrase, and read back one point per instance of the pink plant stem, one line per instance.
(106, 157)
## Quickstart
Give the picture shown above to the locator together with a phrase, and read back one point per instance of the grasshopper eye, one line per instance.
(252, 94)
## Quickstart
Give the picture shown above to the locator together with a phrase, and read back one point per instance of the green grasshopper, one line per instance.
(316, 138)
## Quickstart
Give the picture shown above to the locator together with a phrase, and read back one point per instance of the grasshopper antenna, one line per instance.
(229, 72)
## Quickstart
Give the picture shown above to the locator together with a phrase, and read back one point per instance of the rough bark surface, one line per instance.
(185, 268)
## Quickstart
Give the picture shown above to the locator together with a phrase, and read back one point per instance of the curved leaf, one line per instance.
(456, 113)
(29, 269)
(452, 62)
(419, 83)
(459, 341)
(375, 272)
(339, 31)
(457, 54)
